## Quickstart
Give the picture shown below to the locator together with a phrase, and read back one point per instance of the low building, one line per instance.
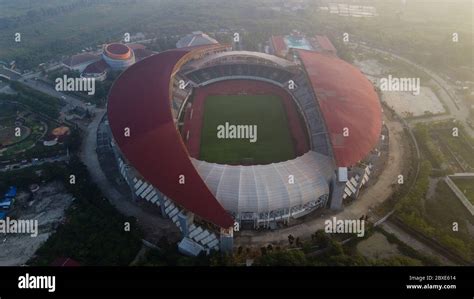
(115, 56)
(11, 193)
(50, 140)
(97, 70)
(5, 204)
(197, 38)
(280, 45)
(77, 112)
(61, 133)
(79, 62)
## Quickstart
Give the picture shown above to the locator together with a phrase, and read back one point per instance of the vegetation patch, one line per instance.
(466, 185)
(94, 232)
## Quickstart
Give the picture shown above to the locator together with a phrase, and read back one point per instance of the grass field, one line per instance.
(273, 144)
(7, 135)
(441, 212)
(460, 146)
(467, 187)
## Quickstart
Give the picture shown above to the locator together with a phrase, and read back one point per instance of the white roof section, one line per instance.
(197, 38)
(342, 174)
(265, 188)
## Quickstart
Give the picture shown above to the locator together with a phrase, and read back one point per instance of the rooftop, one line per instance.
(325, 44)
(79, 59)
(140, 99)
(118, 51)
(197, 38)
(348, 102)
(97, 67)
(142, 53)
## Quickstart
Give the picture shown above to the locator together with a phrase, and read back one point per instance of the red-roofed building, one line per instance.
(97, 70)
(115, 56)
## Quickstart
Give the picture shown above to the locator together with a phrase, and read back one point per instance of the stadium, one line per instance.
(319, 122)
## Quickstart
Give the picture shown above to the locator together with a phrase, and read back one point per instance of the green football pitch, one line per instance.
(273, 143)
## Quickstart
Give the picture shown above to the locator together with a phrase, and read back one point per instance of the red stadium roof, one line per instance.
(136, 46)
(347, 100)
(279, 45)
(140, 100)
(325, 44)
(142, 53)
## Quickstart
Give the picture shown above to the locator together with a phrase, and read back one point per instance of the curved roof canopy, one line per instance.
(140, 101)
(348, 103)
(244, 189)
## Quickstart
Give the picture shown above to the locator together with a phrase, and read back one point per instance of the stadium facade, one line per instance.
(148, 114)
(118, 56)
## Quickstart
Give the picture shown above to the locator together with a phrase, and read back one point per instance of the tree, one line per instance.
(298, 242)
(283, 258)
(320, 238)
(398, 260)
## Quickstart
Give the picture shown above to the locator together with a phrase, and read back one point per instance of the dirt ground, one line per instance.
(407, 104)
(47, 206)
(371, 67)
(404, 103)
